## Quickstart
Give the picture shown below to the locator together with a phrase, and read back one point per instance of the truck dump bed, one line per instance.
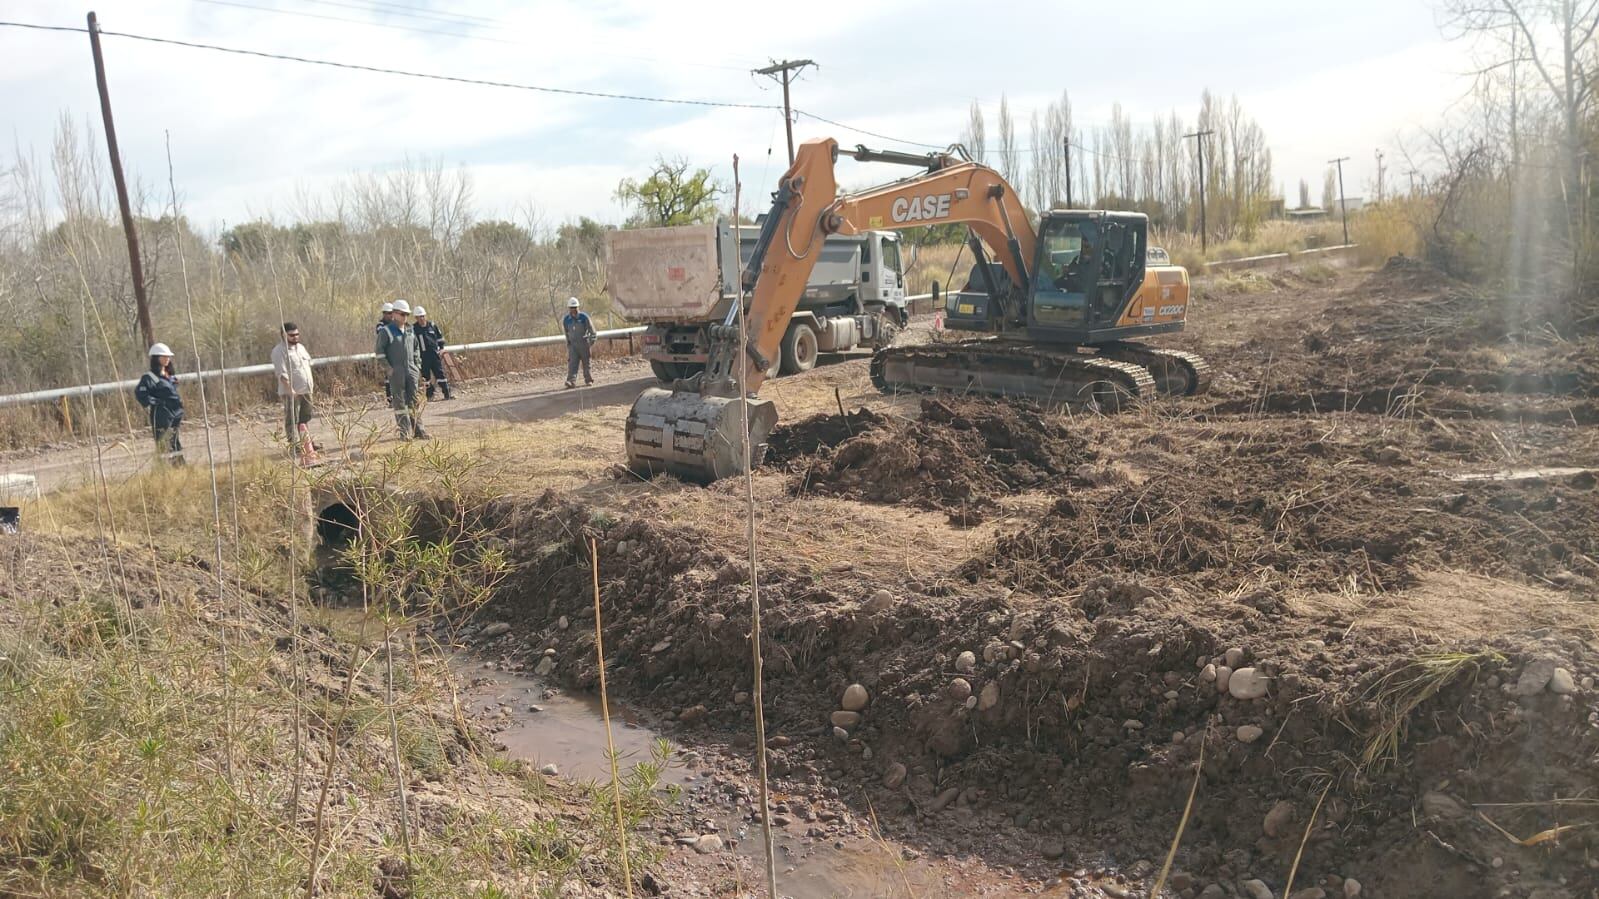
(671, 274)
(666, 274)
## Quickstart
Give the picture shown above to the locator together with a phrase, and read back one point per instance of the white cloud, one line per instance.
(1323, 77)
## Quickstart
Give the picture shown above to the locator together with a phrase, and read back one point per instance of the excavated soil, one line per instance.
(1453, 352)
(960, 457)
(1357, 581)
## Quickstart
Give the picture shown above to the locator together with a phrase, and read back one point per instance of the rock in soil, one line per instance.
(1257, 889)
(1279, 820)
(1247, 683)
(855, 698)
(894, 775)
(1535, 677)
(1561, 682)
(845, 719)
(1249, 733)
(966, 662)
(1351, 888)
(707, 844)
(958, 689)
(496, 629)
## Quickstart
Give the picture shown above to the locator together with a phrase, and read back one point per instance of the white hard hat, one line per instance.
(387, 307)
(402, 307)
(420, 312)
(572, 303)
(160, 349)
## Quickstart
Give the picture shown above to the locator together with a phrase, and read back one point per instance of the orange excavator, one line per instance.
(1059, 304)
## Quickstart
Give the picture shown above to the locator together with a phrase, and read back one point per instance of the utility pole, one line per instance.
(784, 71)
(1199, 144)
(1342, 206)
(1379, 174)
(1066, 145)
(134, 263)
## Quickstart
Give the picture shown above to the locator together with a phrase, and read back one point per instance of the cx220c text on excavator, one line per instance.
(1058, 304)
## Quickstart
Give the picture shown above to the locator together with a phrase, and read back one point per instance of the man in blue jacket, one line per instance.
(397, 347)
(580, 339)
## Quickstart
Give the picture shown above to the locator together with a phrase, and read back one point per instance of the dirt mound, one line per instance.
(960, 457)
(1007, 721)
(1250, 508)
(796, 442)
(1409, 340)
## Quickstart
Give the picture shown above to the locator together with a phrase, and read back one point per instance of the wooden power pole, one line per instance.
(135, 264)
(1199, 145)
(1343, 207)
(1066, 148)
(784, 72)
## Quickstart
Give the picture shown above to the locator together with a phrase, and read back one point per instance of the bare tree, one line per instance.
(975, 136)
(1009, 153)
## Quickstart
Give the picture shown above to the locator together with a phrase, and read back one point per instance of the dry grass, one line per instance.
(1402, 691)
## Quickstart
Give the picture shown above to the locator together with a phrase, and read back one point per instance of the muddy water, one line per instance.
(568, 731)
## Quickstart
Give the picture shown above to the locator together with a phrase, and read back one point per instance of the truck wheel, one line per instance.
(799, 349)
(665, 372)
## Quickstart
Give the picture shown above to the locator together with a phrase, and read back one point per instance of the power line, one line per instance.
(327, 18)
(412, 12)
(436, 31)
(897, 140)
(387, 71)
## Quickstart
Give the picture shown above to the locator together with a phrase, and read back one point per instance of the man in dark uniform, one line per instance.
(431, 340)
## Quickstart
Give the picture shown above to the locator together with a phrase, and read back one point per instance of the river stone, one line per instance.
(989, 697)
(550, 770)
(707, 844)
(1535, 677)
(1257, 889)
(1249, 733)
(1247, 683)
(495, 630)
(1232, 658)
(1279, 819)
(1561, 682)
(958, 689)
(942, 800)
(855, 698)
(881, 601)
(966, 662)
(846, 719)
(1208, 673)
(895, 775)
(544, 667)
(1224, 677)
(1351, 888)
(563, 623)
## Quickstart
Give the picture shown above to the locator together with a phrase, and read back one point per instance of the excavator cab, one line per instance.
(1090, 267)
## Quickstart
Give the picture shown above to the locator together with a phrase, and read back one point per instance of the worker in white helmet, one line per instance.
(397, 347)
(385, 312)
(580, 339)
(431, 338)
(157, 392)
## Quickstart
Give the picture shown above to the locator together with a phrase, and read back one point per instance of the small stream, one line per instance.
(538, 722)
(568, 731)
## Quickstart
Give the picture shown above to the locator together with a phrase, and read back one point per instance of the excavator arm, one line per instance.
(697, 429)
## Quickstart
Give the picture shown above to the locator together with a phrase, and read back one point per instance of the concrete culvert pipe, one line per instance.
(336, 526)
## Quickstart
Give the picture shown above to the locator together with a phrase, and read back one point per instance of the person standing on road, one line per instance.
(431, 339)
(580, 339)
(292, 363)
(158, 392)
(385, 313)
(397, 346)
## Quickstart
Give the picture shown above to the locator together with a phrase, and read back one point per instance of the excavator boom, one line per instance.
(696, 428)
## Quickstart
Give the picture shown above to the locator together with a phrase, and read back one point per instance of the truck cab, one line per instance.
(679, 281)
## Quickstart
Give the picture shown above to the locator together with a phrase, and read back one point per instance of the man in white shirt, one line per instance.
(292, 362)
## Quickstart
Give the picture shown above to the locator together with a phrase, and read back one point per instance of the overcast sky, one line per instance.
(1323, 77)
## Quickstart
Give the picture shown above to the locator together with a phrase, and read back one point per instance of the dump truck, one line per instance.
(681, 281)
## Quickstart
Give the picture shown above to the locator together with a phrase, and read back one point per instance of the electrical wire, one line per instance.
(565, 91)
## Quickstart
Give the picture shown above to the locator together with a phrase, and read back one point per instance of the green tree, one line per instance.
(497, 238)
(671, 195)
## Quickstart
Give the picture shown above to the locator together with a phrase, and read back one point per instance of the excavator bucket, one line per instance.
(695, 437)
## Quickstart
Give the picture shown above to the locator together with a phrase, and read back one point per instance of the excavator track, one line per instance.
(1175, 372)
(1051, 375)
